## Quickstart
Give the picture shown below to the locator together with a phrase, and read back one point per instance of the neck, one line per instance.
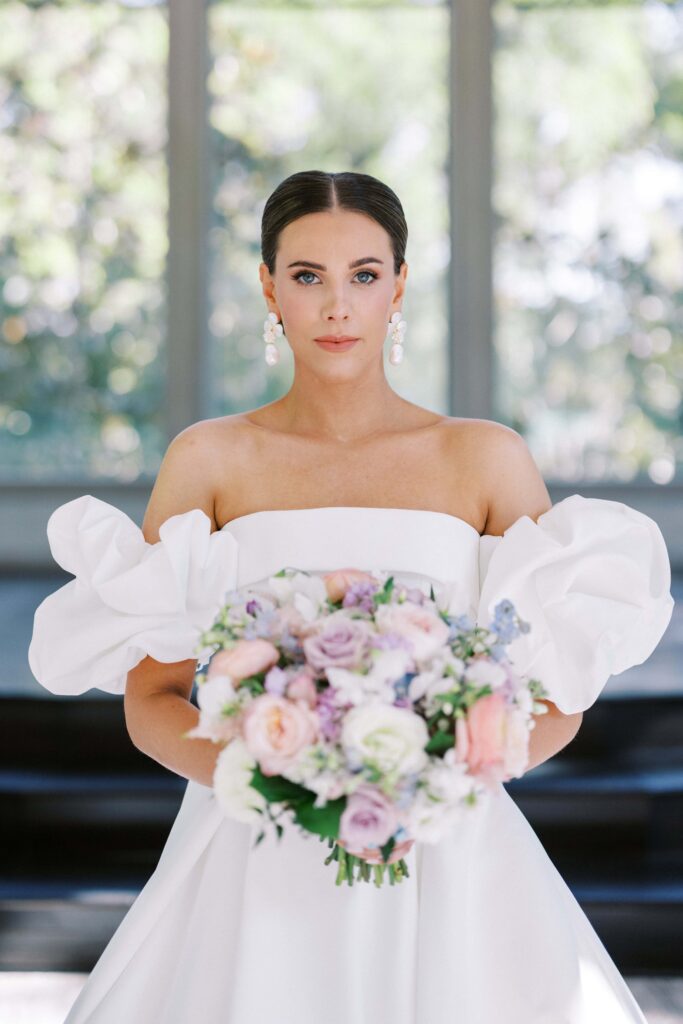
(342, 411)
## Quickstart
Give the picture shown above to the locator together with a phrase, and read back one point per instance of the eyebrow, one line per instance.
(320, 266)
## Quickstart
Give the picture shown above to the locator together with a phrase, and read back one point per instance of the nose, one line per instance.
(336, 306)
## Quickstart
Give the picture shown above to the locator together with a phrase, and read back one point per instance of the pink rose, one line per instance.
(246, 658)
(425, 630)
(493, 739)
(302, 687)
(339, 581)
(369, 818)
(276, 729)
(342, 643)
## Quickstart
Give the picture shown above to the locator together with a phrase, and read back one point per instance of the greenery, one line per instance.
(588, 199)
(83, 204)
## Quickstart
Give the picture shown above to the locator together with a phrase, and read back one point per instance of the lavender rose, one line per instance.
(341, 643)
(369, 819)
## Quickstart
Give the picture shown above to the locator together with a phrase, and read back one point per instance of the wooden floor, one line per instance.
(46, 998)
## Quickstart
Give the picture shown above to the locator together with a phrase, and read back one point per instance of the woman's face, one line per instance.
(334, 297)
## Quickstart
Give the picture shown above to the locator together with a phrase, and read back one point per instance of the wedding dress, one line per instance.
(485, 930)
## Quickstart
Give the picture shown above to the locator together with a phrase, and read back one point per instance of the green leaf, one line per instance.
(321, 820)
(384, 595)
(277, 789)
(440, 742)
(387, 848)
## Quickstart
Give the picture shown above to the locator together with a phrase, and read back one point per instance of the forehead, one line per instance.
(334, 232)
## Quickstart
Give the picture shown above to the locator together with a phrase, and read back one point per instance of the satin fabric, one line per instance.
(484, 930)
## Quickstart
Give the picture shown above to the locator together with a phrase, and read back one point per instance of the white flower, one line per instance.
(306, 592)
(390, 738)
(214, 693)
(450, 781)
(356, 688)
(232, 783)
(428, 822)
(485, 671)
(433, 680)
(525, 701)
(390, 664)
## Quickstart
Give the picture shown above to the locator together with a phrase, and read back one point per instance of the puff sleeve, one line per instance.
(129, 598)
(592, 577)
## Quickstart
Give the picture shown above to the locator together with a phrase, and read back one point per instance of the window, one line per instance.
(536, 146)
(588, 201)
(83, 196)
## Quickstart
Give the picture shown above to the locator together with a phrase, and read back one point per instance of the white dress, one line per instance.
(485, 930)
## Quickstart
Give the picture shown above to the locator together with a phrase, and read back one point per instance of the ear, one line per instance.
(400, 283)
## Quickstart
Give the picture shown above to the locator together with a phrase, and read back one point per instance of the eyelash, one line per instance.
(295, 277)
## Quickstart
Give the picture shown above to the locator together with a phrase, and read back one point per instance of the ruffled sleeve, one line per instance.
(592, 577)
(129, 598)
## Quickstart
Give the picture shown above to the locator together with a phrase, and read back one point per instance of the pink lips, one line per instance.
(336, 343)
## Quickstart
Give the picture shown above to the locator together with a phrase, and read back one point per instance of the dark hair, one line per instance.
(314, 191)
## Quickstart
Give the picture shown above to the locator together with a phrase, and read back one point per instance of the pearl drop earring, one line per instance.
(272, 330)
(397, 327)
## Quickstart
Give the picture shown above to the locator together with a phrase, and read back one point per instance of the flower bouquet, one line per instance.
(360, 710)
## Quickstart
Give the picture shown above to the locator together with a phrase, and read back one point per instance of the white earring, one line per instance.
(397, 328)
(271, 330)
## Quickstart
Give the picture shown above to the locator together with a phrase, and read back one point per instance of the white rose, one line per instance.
(390, 738)
(232, 783)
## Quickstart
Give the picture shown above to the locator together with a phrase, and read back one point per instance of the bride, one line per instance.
(343, 471)
(333, 268)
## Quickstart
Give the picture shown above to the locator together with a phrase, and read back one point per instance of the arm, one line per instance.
(551, 733)
(515, 488)
(157, 703)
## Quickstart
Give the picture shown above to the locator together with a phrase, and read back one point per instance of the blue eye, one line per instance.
(304, 273)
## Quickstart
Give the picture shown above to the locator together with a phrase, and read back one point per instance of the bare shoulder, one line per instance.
(510, 482)
(188, 475)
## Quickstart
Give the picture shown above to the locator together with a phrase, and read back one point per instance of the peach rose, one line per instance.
(339, 581)
(493, 739)
(246, 658)
(276, 729)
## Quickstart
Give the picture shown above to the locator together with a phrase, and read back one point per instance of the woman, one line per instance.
(341, 472)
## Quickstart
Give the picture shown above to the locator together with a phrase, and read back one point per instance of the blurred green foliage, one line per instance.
(588, 201)
(83, 209)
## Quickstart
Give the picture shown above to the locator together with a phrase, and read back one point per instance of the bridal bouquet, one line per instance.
(361, 711)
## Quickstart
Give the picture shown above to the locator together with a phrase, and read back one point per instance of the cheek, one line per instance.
(296, 306)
